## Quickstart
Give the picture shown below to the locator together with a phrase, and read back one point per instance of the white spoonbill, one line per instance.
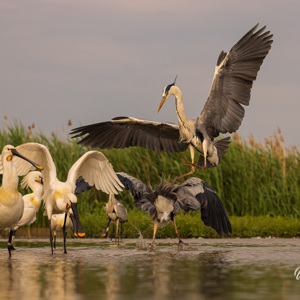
(11, 201)
(59, 196)
(32, 202)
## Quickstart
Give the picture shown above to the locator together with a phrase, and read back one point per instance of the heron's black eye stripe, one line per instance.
(168, 88)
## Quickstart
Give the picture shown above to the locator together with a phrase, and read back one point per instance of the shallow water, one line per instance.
(203, 269)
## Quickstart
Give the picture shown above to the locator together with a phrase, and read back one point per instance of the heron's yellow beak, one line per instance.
(163, 100)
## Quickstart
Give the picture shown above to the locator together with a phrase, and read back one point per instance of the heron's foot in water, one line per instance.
(180, 244)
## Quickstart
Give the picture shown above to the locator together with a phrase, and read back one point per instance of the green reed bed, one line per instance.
(254, 180)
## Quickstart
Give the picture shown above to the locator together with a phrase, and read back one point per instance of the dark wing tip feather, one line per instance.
(82, 186)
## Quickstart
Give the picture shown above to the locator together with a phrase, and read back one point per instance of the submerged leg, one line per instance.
(177, 234)
(154, 233)
(65, 233)
(104, 234)
(9, 244)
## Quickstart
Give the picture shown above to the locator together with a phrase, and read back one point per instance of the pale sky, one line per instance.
(90, 61)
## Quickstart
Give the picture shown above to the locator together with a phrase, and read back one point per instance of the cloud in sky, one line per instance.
(90, 61)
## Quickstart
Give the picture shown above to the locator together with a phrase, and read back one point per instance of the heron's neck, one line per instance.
(179, 106)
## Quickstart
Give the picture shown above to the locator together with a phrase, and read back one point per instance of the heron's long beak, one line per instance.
(163, 100)
(16, 153)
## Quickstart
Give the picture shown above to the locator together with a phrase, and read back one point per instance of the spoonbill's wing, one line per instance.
(195, 195)
(96, 170)
(41, 155)
(139, 191)
(123, 132)
(232, 83)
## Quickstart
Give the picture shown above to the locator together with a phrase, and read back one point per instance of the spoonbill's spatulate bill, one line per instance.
(168, 199)
(59, 196)
(223, 111)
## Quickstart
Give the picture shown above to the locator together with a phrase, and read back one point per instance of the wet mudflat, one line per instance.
(203, 269)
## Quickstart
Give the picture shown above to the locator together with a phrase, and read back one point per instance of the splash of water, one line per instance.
(141, 244)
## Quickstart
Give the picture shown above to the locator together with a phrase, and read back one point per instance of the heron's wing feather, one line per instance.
(121, 212)
(41, 155)
(96, 170)
(123, 132)
(139, 191)
(194, 194)
(82, 186)
(231, 87)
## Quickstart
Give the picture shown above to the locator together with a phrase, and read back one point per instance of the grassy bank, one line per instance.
(253, 180)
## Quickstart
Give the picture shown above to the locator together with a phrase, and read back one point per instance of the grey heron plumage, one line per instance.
(222, 113)
(116, 213)
(169, 199)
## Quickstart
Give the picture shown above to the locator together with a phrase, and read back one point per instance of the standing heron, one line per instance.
(167, 200)
(116, 213)
(222, 113)
(59, 196)
(114, 209)
(32, 202)
(11, 201)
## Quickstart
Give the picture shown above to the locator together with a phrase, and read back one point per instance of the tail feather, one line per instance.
(222, 146)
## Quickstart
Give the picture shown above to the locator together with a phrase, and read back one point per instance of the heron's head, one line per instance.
(10, 151)
(167, 92)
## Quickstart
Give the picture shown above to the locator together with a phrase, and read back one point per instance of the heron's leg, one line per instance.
(54, 234)
(177, 234)
(192, 152)
(154, 233)
(9, 244)
(104, 234)
(121, 231)
(117, 233)
(51, 239)
(65, 233)
(112, 233)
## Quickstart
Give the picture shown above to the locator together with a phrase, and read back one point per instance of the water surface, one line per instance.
(203, 269)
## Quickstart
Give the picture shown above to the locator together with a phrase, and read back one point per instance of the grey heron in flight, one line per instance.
(168, 199)
(222, 113)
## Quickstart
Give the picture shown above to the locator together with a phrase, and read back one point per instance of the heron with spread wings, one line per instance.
(59, 196)
(223, 111)
(168, 199)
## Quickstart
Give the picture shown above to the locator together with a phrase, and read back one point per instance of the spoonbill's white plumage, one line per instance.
(11, 201)
(222, 113)
(59, 196)
(32, 201)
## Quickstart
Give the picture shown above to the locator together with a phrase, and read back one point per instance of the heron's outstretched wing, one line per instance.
(232, 83)
(96, 170)
(82, 186)
(123, 132)
(139, 191)
(40, 154)
(194, 194)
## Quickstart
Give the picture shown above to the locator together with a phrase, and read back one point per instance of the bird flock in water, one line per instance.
(222, 113)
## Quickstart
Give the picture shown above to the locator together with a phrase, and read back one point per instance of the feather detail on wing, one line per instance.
(232, 83)
(41, 155)
(123, 132)
(194, 195)
(139, 191)
(96, 170)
